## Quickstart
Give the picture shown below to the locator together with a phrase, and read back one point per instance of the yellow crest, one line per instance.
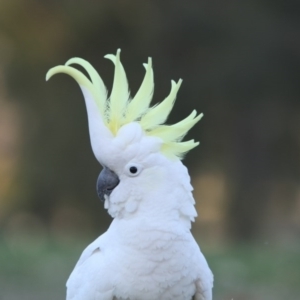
(120, 109)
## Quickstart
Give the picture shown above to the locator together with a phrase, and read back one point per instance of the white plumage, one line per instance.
(148, 252)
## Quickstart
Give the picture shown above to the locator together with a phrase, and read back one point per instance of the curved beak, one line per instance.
(106, 183)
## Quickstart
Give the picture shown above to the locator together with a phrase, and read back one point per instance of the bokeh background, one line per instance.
(240, 62)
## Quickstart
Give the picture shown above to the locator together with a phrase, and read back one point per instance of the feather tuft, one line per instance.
(119, 110)
(82, 80)
(159, 113)
(175, 150)
(176, 132)
(96, 79)
(119, 95)
(141, 101)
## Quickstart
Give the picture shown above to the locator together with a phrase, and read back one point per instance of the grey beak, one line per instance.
(106, 182)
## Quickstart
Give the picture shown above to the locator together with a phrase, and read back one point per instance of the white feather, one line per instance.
(148, 252)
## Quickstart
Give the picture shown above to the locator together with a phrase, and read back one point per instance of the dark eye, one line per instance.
(133, 170)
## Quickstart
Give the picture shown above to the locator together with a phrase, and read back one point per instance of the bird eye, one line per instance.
(133, 169)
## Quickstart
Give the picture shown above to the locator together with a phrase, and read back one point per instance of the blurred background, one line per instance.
(240, 64)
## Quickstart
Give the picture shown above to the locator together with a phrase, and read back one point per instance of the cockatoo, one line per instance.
(148, 251)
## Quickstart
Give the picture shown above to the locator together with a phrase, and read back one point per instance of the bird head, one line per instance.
(140, 155)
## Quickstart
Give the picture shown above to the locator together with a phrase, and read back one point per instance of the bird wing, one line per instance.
(204, 287)
(92, 248)
(91, 277)
(204, 283)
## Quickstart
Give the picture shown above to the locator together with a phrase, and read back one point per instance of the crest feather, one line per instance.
(82, 80)
(176, 132)
(95, 78)
(119, 94)
(178, 150)
(141, 101)
(119, 111)
(159, 113)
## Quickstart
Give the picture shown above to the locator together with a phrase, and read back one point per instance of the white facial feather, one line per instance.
(161, 189)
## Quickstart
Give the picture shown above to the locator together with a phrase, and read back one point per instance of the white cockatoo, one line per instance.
(148, 252)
